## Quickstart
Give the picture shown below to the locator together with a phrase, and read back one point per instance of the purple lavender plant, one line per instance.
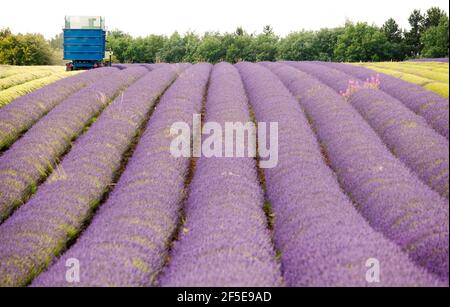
(19, 115)
(395, 202)
(127, 241)
(433, 107)
(56, 213)
(406, 134)
(442, 60)
(322, 239)
(33, 157)
(225, 241)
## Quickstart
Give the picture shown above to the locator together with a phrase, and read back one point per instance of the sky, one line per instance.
(141, 18)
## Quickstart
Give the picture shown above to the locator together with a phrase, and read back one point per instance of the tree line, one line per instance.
(24, 49)
(353, 42)
(427, 36)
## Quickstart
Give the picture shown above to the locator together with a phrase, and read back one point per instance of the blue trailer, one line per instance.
(84, 42)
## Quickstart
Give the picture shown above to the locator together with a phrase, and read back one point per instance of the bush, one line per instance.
(24, 49)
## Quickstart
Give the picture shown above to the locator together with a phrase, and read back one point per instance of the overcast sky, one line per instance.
(141, 17)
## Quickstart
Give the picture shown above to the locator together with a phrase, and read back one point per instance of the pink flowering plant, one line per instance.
(354, 86)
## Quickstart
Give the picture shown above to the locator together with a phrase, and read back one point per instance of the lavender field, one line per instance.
(87, 180)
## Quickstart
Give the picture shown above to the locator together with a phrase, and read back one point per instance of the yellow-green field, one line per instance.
(431, 75)
(16, 81)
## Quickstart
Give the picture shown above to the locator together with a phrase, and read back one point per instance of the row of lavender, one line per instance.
(41, 229)
(431, 106)
(225, 240)
(393, 200)
(322, 239)
(407, 134)
(22, 113)
(33, 157)
(128, 240)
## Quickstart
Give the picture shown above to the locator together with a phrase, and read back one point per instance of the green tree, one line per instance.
(361, 42)
(174, 50)
(412, 37)
(297, 46)
(57, 42)
(145, 50)
(4, 33)
(324, 43)
(120, 43)
(238, 46)
(210, 49)
(240, 31)
(241, 50)
(191, 43)
(433, 18)
(392, 31)
(394, 36)
(265, 45)
(35, 49)
(8, 46)
(24, 49)
(435, 40)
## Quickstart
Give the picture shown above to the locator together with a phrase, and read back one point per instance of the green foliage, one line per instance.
(392, 31)
(173, 49)
(24, 49)
(412, 37)
(239, 47)
(120, 43)
(265, 45)
(427, 36)
(57, 42)
(433, 18)
(210, 49)
(325, 42)
(361, 42)
(435, 40)
(297, 46)
(145, 50)
(354, 42)
(309, 45)
(394, 35)
(191, 42)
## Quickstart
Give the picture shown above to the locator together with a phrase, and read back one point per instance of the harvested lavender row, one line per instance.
(394, 201)
(127, 241)
(433, 107)
(225, 241)
(33, 157)
(408, 135)
(55, 215)
(323, 240)
(19, 115)
(441, 60)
